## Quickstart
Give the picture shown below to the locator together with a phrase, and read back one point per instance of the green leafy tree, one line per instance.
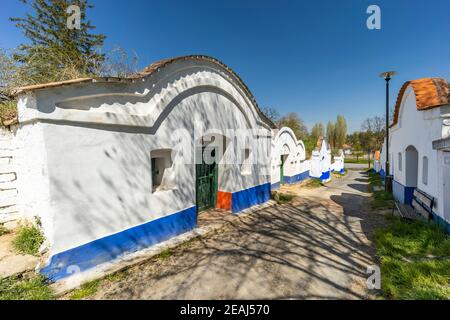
(55, 52)
(375, 128)
(293, 121)
(340, 131)
(331, 134)
(317, 131)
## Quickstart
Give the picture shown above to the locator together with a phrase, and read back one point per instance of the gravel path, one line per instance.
(316, 247)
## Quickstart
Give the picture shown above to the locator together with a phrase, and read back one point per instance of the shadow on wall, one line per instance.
(109, 188)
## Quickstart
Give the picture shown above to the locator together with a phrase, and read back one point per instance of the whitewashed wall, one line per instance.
(8, 176)
(321, 162)
(285, 143)
(338, 163)
(91, 144)
(418, 129)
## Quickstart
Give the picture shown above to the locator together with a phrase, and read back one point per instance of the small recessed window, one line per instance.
(425, 171)
(246, 167)
(161, 162)
(399, 161)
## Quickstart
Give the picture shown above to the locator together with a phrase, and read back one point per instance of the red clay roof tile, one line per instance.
(430, 93)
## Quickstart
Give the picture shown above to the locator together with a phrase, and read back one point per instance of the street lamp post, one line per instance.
(387, 76)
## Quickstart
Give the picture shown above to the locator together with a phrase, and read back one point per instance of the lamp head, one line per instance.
(388, 75)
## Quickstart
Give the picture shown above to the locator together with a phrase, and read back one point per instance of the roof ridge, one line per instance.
(430, 93)
(147, 71)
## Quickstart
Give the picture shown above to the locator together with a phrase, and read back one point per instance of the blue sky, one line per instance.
(316, 58)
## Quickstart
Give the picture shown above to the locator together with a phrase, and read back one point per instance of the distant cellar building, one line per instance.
(289, 164)
(321, 161)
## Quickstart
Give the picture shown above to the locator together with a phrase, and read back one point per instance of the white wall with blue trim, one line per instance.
(95, 144)
(413, 161)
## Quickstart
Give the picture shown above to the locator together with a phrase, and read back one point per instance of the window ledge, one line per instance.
(161, 189)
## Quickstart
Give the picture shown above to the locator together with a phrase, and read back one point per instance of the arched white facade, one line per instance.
(418, 153)
(109, 165)
(338, 164)
(321, 161)
(289, 164)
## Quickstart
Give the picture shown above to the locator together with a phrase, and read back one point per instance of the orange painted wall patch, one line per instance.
(224, 200)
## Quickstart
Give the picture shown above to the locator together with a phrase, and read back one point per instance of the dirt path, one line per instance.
(317, 247)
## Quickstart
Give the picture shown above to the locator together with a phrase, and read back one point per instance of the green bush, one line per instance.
(28, 240)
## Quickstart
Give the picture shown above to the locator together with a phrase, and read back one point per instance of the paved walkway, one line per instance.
(317, 247)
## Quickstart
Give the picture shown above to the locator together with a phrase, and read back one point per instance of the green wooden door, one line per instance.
(282, 171)
(206, 181)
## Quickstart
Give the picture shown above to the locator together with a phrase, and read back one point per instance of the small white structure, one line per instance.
(338, 164)
(381, 167)
(288, 158)
(321, 161)
(114, 165)
(376, 162)
(420, 144)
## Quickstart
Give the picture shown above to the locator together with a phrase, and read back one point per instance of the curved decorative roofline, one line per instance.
(151, 69)
(287, 130)
(430, 93)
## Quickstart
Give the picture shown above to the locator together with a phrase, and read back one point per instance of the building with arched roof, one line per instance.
(114, 165)
(338, 164)
(321, 161)
(419, 144)
(289, 164)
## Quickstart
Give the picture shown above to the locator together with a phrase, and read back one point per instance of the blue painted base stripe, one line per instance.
(297, 178)
(401, 193)
(249, 197)
(325, 175)
(108, 248)
(275, 186)
(441, 222)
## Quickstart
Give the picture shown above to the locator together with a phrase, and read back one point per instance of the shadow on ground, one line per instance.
(313, 248)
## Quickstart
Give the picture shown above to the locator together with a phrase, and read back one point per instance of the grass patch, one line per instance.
(282, 198)
(285, 197)
(339, 175)
(118, 276)
(34, 288)
(8, 112)
(374, 178)
(28, 240)
(85, 290)
(312, 184)
(3, 230)
(358, 161)
(165, 254)
(415, 260)
(381, 198)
